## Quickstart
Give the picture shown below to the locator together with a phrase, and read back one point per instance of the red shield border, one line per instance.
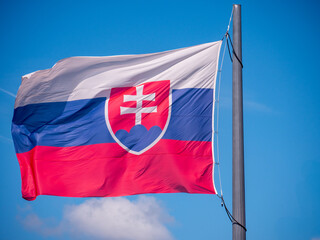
(112, 133)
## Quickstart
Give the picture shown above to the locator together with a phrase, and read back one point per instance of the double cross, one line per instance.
(139, 109)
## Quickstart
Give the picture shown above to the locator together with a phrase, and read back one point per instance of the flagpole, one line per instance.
(238, 190)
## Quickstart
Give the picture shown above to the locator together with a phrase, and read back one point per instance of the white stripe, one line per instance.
(91, 77)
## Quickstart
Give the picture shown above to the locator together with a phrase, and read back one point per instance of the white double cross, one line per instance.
(138, 110)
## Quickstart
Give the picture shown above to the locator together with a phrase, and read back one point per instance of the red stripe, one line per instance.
(108, 170)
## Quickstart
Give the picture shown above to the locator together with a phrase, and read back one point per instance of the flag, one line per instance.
(118, 125)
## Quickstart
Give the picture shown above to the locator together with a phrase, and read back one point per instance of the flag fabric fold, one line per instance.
(118, 125)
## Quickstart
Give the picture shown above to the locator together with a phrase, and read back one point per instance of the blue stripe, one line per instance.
(191, 115)
(82, 122)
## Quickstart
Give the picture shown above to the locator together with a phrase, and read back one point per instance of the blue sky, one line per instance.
(281, 115)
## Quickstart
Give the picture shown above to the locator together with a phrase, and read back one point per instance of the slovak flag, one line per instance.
(118, 125)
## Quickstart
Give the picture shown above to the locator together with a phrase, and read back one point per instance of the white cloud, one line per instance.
(44, 227)
(7, 92)
(256, 106)
(108, 218)
(6, 139)
(248, 105)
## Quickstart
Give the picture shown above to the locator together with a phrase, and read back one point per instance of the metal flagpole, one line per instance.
(238, 191)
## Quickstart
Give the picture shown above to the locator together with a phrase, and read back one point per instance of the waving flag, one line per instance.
(118, 125)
